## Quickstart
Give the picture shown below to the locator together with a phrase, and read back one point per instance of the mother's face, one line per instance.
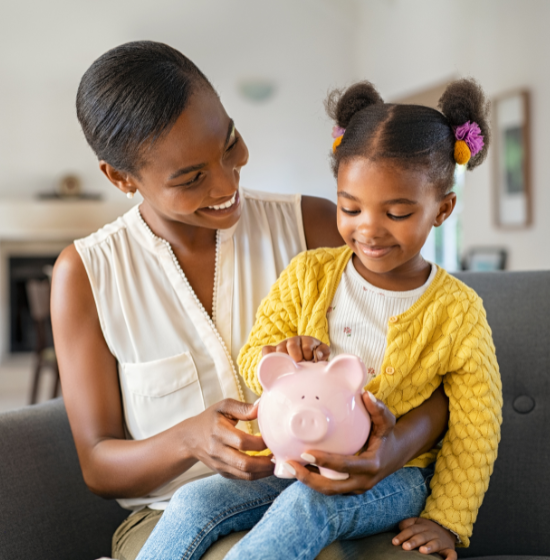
(194, 169)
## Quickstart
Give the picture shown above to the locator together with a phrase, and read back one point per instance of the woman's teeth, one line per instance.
(225, 204)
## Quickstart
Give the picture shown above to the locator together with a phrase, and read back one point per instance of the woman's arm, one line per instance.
(319, 217)
(112, 465)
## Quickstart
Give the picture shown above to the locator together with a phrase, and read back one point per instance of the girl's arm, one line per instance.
(112, 465)
(469, 448)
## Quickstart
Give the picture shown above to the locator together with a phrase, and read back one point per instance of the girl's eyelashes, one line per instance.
(350, 212)
(391, 216)
(397, 218)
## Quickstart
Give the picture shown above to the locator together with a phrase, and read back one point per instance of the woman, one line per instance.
(150, 312)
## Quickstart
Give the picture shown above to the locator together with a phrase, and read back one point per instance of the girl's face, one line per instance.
(386, 213)
(193, 169)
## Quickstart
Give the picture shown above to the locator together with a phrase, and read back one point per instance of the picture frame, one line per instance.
(512, 160)
(485, 259)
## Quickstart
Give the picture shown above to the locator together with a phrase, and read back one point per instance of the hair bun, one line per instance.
(343, 104)
(462, 102)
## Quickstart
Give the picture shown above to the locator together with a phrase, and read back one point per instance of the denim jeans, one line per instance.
(288, 519)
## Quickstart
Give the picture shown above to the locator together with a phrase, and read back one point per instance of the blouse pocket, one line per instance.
(159, 394)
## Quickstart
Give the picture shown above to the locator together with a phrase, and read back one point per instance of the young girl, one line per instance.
(413, 325)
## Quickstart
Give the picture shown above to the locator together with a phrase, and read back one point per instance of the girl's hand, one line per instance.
(428, 535)
(380, 459)
(301, 348)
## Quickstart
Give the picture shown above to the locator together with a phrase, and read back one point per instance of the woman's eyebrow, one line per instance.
(185, 170)
(200, 166)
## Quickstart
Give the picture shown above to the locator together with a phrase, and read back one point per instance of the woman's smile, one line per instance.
(224, 208)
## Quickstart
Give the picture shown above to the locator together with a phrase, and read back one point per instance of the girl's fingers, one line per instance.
(407, 522)
(430, 547)
(405, 533)
(294, 348)
(308, 346)
(420, 539)
(282, 347)
(268, 350)
(408, 531)
(300, 348)
(313, 349)
(322, 352)
(447, 553)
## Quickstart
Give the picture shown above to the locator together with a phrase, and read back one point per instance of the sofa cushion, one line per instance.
(46, 510)
(514, 517)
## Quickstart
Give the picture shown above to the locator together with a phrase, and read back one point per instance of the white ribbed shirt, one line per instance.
(359, 314)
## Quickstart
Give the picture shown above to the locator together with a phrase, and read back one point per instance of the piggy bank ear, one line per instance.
(273, 366)
(350, 368)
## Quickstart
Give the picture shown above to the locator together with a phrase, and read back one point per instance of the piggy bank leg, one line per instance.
(333, 475)
(280, 470)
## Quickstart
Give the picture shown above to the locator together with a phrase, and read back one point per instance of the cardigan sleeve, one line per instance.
(465, 461)
(277, 318)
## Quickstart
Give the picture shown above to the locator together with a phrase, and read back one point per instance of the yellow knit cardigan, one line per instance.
(444, 336)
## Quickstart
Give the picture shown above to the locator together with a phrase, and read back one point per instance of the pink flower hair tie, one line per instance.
(337, 134)
(337, 131)
(469, 142)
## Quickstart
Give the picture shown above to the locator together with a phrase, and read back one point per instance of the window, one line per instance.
(444, 244)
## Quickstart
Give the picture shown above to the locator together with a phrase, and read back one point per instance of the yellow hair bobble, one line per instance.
(462, 152)
(336, 143)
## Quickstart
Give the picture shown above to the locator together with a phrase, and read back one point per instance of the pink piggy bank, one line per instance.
(312, 406)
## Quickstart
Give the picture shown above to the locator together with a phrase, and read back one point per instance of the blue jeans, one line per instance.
(288, 519)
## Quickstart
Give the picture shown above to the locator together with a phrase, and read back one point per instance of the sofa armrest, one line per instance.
(46, 510)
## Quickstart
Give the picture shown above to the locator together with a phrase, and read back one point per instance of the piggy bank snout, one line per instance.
(309, 424)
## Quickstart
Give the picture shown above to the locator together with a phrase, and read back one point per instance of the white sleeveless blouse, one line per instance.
(173, 360)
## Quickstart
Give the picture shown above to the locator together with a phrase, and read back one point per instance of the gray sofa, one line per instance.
(47, 512)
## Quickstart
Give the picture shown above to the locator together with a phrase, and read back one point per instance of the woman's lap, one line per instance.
(377, 547)
(222, 506)
(133, 532)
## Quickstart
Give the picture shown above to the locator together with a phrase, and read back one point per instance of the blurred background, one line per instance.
(273, 64)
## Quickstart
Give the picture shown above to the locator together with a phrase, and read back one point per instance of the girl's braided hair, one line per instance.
(410, 136)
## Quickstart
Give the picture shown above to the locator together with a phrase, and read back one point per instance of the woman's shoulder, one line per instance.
(107, 231)
(264, 197)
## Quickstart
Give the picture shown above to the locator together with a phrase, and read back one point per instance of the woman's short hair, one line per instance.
(132, 95)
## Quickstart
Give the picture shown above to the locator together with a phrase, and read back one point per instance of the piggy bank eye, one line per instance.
(303, 396)
(317, 398)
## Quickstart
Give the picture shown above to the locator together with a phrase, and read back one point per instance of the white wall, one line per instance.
(405, 46)
(306, 46)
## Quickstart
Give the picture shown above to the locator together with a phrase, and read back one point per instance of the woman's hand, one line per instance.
(214, 439)
(380, 458)
(301, 348)
(390, 446)
(427, 536)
